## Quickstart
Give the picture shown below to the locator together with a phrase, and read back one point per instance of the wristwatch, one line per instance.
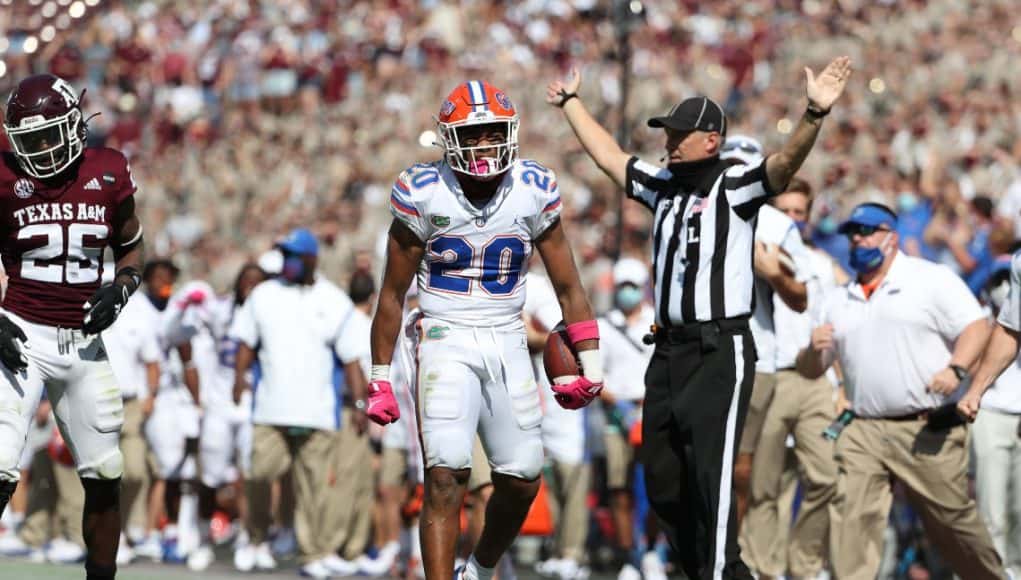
(961, 372)
(360, 404)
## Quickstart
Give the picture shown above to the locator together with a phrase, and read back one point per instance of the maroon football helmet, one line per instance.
(44, 125)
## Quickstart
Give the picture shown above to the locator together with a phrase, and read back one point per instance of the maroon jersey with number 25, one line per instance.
(52, 237)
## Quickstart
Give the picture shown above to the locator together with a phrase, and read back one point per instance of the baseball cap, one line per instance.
(870, 214)
(742, 148)
(630, 271)
(300, 241)
(693, 114)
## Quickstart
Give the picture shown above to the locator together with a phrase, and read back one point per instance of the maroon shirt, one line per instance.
(52, 239)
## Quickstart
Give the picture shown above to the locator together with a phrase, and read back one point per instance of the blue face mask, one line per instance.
(802, 225)
(827, 226)
(294, 269)
(866, 260)
(907, 201)
(628, 297)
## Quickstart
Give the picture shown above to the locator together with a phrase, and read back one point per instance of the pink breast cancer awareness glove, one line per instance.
(193, 298)
(382, 407)
(577, 394)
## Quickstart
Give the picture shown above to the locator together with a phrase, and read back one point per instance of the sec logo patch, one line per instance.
(23, 188)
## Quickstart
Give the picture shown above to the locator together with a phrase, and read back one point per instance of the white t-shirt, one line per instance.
(794, 329)
(476, 260)
(625, 356)
(131, 343)
(296, 330)
(775, 228)
(1005, 395)
(892, 344)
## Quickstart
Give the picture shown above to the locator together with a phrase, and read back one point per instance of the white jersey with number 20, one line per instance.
(476, 259)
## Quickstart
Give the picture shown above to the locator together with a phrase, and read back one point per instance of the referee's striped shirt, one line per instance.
(702, 240)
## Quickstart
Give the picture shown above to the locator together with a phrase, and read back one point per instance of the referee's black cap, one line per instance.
(693, 114)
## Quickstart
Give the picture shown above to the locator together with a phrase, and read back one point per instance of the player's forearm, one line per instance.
(781, 166)
(386, 325)
(191, 381)
(597, 141)
(970, 343)
(793, 293)
(354, 378)
(998, 355)
(242, 362)
(576, 308)
(129, 266)
(152, 377)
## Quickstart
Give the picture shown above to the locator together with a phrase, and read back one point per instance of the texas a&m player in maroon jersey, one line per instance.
(61, 205)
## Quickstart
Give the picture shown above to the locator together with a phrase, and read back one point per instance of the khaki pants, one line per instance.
(308, 454)
(136, 479)
(803, 408)
(933, 465)
(569, 509)
(349, 492)
(55, 502)
(997, 452)
(762, 396)
(619, 459)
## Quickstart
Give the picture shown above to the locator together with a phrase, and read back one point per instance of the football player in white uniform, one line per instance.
(467, 225)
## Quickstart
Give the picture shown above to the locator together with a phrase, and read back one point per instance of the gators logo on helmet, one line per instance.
(478, 103)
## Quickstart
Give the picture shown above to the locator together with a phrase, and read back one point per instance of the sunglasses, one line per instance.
(741, 146)
(863, 230)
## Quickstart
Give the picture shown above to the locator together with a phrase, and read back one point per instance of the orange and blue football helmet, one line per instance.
(477, 103)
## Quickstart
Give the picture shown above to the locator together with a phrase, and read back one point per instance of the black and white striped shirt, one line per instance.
(702, 240)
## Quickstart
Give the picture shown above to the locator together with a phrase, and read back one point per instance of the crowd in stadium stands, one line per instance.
(244, 119)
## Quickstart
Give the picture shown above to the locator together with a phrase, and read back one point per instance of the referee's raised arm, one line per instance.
(596, 140)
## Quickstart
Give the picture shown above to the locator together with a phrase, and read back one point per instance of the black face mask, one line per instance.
(698, 175)
(159, 303)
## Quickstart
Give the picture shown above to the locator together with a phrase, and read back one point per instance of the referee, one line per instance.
(700, 378)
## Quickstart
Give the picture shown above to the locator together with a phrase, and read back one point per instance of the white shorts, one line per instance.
(225, 441)
(174, 420)
(83, 391)
(478, 380)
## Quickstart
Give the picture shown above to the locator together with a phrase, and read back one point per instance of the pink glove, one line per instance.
(195, 297)
(577, 393)
(382, 407)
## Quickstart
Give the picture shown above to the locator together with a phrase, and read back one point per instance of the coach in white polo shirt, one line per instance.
(904, 332)
(296, 322)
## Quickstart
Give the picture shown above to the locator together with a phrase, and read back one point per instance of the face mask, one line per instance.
(827, 226)
(628, 297)
(907, 201)
(160, 297)
(865, 260)
(293, 270)
(802, 225)
(998, 295)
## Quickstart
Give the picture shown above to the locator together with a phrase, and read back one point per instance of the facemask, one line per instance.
(827, 226)
(998, 295)
(628, 297)
(802, 225)
(907, 201)
(865, 260)
(160, 297)
(293, 270)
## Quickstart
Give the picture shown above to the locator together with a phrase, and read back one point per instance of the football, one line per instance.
(558, 358)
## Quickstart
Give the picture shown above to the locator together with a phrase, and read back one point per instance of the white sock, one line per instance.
(475, 571)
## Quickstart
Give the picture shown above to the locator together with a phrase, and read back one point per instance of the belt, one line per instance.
(708, 332)
(943, 417)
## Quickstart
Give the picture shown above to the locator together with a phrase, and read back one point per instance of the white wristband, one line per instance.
(591, 364)
(379, 373)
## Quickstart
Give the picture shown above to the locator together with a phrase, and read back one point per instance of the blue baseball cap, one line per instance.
(301, 242)
(870, 214)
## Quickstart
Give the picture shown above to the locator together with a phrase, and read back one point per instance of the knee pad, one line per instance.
(527, 461)
(446, 448)
(110, 467)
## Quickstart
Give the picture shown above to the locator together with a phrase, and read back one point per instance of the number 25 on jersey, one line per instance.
(81, 263)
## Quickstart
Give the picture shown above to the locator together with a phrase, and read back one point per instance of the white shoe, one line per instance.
(652, 567)
(382, 563)
(629, 572)
(244, 558)
(200, 558)
(285, 542)
(125, 555)
(151, 548)
(317, 569)
(339, 566)
(571, 570)
(264, 557)
(62, 551)
(12, 546)
(548, 567)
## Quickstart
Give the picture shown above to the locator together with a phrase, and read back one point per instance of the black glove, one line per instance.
(10, 350)
(104, 307)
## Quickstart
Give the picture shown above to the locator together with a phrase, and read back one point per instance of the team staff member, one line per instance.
(700, 378)
(904, 332)
(297, 322)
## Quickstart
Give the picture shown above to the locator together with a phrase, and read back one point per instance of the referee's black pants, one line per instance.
(697, 389)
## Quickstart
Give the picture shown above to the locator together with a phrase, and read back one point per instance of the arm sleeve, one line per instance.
(404, 208)
(747, 188)
(645, 182)
(956, 306)
(1010, 313)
